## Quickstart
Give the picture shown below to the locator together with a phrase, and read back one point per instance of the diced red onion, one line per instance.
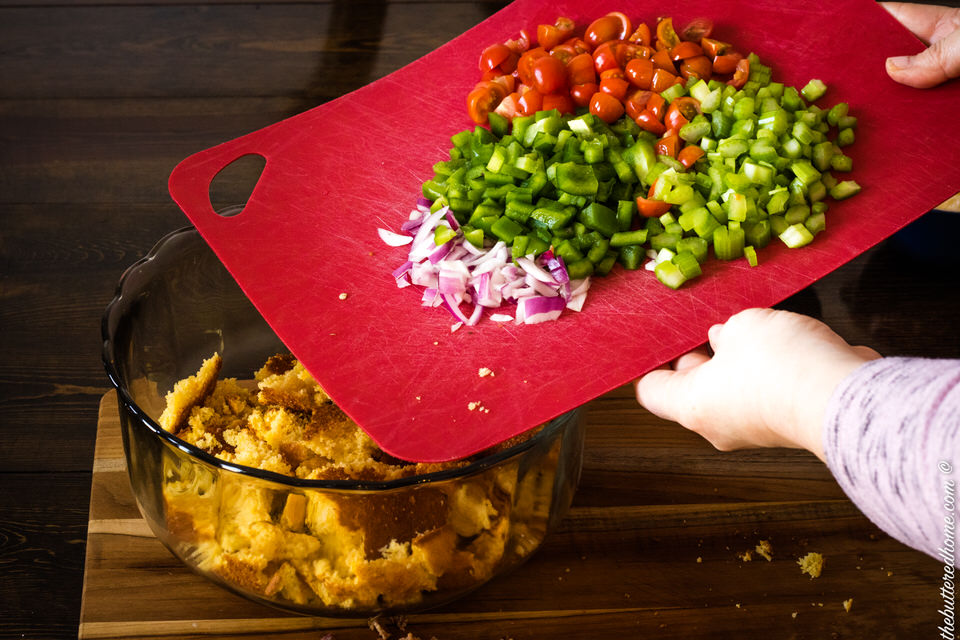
(393, 239)
(441, 252)
(423, 202)
(402, 269)
(534, 270)
(536, 309)
(457, 273)
(453, 221)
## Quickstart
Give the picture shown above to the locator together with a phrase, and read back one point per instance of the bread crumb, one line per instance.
(737, 605)
(342, 296)
(811, 564)
(765, 550)
(484, 372)
(699, 560)
(746, 556)
(477, 406)
(889, 573)
(793, 615)
(847, 604)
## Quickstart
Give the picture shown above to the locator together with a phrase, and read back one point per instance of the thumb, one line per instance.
(661, 392)
(934, 65)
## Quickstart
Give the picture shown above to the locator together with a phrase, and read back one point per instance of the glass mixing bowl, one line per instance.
(321, 547)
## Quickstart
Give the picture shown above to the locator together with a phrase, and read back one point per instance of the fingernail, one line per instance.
(899, 62)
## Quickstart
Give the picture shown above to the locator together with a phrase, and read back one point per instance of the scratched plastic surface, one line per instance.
(337, 172)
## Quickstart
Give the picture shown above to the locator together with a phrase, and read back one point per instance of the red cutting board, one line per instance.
(337, 172)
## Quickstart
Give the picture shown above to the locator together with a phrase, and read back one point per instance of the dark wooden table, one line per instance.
(100, 99)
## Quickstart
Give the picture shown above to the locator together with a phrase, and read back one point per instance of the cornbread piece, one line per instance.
(765, 550)
(354, 550)
(284, 381)
(189, 393)
(811, 564)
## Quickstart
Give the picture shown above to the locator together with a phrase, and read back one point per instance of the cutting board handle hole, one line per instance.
(233, 185)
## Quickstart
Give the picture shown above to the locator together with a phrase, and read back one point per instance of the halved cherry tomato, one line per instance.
(580, 69)
(508, 81)
(606, 107)
(559, 101)
(605, 56)
(668, 145)
(483, 99)
(579, 45)
(493, 56)
(661, 80)
(686, 49)
(613, 73)
(641, 35)
(549, 75)
(640, 72)
(613, 26)
(657, 104)
(713, 48)
(564, 53)
(509, 106)
(626, 51)
(681, 111)
(666, 36)
(581, 93)
(520, 44)
(530, 102)
(689, 155)
(550, 35)
(648, 121)
(650, 208)
(697, 67)
(663, 60)
(636, 102)
(741, 74)
(726, 63)
(525, 64)
(697, 29)
(616, 87)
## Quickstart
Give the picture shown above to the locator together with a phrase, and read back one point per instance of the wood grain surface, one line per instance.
(99, 99)
(654, 543)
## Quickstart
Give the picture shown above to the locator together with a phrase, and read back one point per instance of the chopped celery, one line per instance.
(796, 235)
(844, 190)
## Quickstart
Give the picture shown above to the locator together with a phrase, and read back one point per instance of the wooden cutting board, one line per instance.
(306, 251)
(650, 548)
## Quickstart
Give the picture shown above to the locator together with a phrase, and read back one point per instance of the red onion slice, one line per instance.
(537, 309)
(393, 239)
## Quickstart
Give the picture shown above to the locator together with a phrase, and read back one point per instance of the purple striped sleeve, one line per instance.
(891, 438)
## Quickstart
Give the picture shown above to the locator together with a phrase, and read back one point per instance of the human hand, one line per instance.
(939, 28)
(766, 385)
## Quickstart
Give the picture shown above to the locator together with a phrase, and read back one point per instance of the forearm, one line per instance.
(891, 438)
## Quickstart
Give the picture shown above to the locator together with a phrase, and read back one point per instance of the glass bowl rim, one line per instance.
(126, 401)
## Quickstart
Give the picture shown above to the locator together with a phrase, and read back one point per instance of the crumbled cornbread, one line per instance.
(847, 604)
(765, 550)
(811, 564)
(354, 550)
